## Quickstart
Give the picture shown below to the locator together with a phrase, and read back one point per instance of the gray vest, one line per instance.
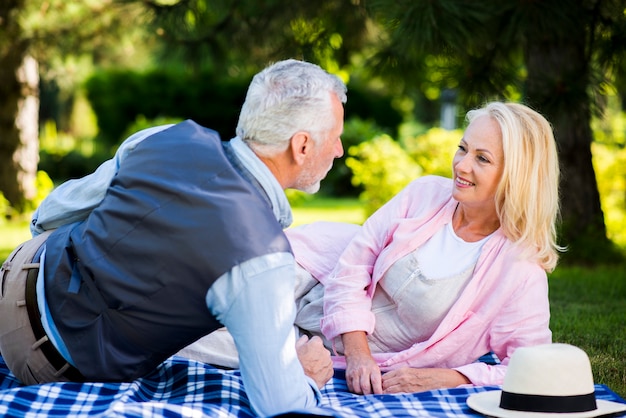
(126, 287)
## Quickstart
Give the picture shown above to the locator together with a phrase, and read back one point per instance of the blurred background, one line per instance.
(77, 77)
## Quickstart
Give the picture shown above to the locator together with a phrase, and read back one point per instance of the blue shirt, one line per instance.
(254, 300)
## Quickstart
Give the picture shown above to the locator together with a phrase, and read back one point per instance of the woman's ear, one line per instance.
(301, 146)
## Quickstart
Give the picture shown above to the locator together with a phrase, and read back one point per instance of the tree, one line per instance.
(19, 108)
(36, 36)
(242, 36)
(557, 54)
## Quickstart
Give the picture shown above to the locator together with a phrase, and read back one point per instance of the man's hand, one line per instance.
(315, 359)
(408, 379)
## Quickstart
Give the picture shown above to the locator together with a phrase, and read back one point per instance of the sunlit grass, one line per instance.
(588, 307)
(11, 235)
(327, 209)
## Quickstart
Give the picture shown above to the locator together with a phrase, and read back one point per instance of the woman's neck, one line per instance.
(472, 225)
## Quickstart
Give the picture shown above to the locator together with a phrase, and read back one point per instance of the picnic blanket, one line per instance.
(185, 388)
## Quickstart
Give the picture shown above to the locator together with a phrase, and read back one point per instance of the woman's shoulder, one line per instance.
(428, 192)
(517, 261)
(431, 181)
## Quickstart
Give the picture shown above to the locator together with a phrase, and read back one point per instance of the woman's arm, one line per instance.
(362, 373)
(409, 379)
(349, 289)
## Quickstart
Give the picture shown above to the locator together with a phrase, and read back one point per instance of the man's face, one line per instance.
(325, 151)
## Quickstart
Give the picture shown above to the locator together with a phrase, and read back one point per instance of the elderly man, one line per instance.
(177, 235)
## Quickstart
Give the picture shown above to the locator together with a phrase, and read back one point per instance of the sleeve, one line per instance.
(73, 200)
(349, 289)
(523, 321)
(482, 374)
(255, 301)
(318, 245)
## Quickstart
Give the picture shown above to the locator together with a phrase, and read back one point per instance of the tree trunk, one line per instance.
(557, 86)
(19, 109)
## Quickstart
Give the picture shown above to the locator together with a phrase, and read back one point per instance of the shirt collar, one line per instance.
(278, 199)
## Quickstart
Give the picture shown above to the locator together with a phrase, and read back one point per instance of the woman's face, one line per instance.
(478, 163)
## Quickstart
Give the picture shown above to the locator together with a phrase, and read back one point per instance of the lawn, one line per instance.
(588, 304)
(588, 307)
(11, 235)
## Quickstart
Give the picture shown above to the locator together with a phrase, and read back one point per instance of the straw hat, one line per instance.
(551, 380)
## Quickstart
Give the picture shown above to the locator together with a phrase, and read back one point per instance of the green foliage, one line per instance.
(142, 123)
(609, 161)
(434, 150)
(126, 101)
(297, 198)
(610, 167)
(44, 187)
(120, 97)
(231, 36)
(8, 213)
(5, 209)
(373, 106)
(74, 164)
(383, 168)
(338, 182)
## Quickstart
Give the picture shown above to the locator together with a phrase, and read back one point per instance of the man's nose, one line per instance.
(339, 149)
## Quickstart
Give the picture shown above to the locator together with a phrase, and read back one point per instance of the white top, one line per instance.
(418, 290)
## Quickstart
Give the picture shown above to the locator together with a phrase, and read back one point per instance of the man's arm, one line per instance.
(255, 301)
(75, 199)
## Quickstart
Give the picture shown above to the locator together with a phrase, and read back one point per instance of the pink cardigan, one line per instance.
(504, 306)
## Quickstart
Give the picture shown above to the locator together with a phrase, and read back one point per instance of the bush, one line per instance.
(122, 98)
(434, 150)
(382, 168)
(338, 182)
(5, 209)
(610, 167)
(44, 187)
(142, 123)
(62, 167)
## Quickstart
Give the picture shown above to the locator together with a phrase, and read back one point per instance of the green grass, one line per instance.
(588, 304)
(588, 307)
(327, 209)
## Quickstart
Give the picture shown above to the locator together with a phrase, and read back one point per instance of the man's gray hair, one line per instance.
(287, 97)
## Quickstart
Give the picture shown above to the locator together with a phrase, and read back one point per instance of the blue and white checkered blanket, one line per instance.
(185, 388)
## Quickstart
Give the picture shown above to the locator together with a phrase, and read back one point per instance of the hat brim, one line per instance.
(488, 403)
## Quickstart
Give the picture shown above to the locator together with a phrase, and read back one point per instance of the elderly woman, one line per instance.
(446, 271)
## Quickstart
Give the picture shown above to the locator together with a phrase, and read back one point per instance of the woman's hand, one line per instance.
(408, 379)
(362, 373)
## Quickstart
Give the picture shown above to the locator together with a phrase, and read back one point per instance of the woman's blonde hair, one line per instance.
(527, 197)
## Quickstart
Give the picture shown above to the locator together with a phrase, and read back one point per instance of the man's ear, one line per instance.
(301, 146)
